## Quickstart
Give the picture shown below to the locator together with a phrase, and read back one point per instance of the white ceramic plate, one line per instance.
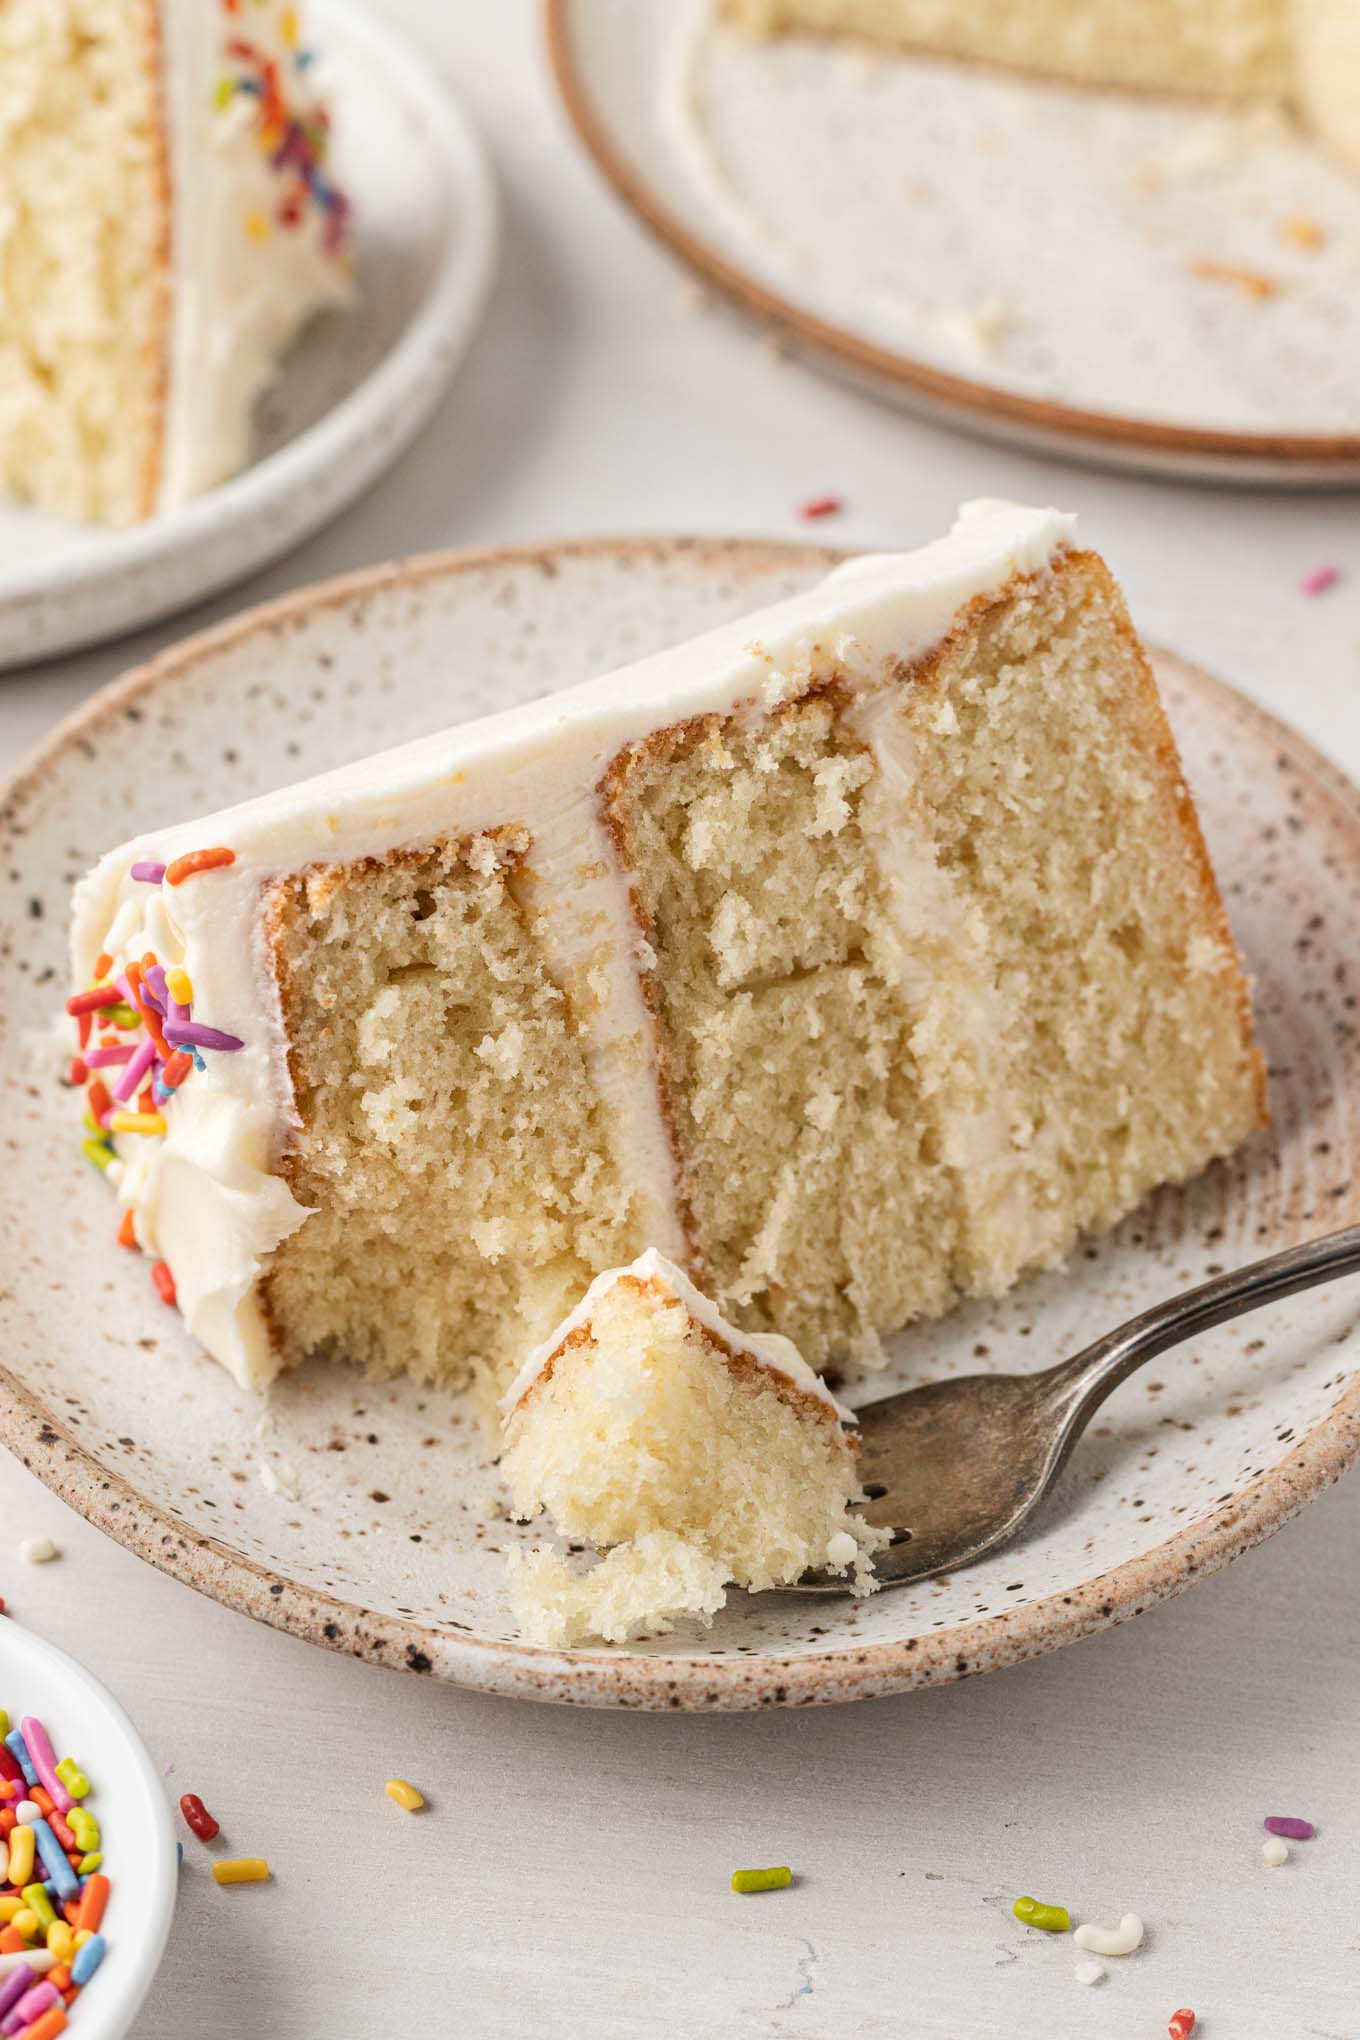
(353, 392)
(1014, 255)
(364, 1516)
(137, 1834)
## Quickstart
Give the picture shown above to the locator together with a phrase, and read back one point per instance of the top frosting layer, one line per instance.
(769, 1349)
(205, 1194)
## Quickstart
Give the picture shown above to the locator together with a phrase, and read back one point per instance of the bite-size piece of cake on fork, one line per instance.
(696, 1457)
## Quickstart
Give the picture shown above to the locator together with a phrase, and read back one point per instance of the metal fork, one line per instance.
(957, 1468)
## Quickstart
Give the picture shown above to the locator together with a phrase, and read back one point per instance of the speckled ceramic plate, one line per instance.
(366, 1517)
(1134, 280)
(350, 396)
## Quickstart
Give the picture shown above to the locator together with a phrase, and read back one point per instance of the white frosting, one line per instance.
(237, 301)
(205, 1197)
(769, 1349)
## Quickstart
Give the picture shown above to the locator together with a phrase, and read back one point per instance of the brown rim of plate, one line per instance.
(1097, 433)
(42, 1442)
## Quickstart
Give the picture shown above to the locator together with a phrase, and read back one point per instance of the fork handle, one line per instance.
(1083, 1382)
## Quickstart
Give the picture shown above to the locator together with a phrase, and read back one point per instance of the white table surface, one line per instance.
(569, 1876)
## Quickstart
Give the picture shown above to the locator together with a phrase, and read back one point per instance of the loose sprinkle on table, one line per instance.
(1120, 1940)
(762, 1880)
(404, 1794)
(1089, 1972)
(1320, 580)
(38, 1550)
(198, 1817)
(1050, 1919)
(241, 1870)
(1275, 1852)
(1293, 1830)
(164, 1281)
(822, 506)
(1251, 283)
(1181, 2025)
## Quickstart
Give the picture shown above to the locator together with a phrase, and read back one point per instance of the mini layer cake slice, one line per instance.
(859, 955)
(169, 221)
(699, 1457)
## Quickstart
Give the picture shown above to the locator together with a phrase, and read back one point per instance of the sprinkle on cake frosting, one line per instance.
(205, 1192)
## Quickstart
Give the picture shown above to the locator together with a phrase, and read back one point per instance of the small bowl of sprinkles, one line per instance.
(87, 1851)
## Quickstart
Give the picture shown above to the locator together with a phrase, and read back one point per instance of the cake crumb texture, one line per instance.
(942, 977)
(448, 1148)
(692, 1465)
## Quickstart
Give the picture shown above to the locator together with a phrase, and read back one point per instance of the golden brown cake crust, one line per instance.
(741, 1363)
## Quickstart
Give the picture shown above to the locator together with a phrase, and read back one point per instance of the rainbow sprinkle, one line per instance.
(52, 1888)
(293, 136)
(151, 1002)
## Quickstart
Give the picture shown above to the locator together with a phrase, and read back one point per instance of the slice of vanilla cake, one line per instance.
(1237, 48)
(169, 219)
(1304, 54)
(695, 1456)
(859, 955)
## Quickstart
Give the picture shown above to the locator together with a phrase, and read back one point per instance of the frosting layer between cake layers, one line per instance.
(205, 1192)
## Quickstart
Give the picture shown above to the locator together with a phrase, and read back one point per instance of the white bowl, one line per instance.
(128, 1801)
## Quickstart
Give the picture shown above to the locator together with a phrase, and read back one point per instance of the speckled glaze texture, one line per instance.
(365, 1516)
(1096, 273)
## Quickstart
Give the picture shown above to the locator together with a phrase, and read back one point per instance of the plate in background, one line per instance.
(1080, 272)
(128, 1801)
(364, 1516)
(352, 394)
